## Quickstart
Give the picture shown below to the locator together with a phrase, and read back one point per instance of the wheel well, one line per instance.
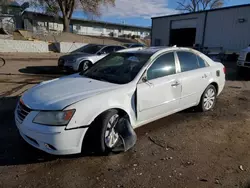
(121, 112)
(216, 86)
(87, 138)
(85, 61)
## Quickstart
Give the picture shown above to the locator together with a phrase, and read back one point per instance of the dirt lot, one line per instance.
(183, 150)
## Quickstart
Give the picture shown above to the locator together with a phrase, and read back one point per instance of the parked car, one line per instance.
(84, 57)
(134, 45)
(141, 85)
(244, 59)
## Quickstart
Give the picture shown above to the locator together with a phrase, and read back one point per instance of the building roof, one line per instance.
(217, 9)
(92, 21)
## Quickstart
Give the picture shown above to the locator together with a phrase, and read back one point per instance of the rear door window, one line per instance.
(202, 62)
(188, 61)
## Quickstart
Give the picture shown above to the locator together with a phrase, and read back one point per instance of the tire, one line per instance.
(84, 66)
(240, 71)
(209, 95)
(96, 138)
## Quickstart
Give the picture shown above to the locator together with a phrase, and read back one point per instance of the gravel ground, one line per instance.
(187, 149)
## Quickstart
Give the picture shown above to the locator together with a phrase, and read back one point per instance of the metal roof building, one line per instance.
(224, 28)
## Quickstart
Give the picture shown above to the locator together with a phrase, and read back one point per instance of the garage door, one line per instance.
(179, 24)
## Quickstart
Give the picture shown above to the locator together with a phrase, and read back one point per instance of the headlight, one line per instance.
(54, 117)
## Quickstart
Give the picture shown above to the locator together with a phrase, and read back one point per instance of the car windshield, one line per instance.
(89, 49)
(119, 68)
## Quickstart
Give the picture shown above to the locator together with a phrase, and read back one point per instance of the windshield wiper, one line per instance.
(94, 77)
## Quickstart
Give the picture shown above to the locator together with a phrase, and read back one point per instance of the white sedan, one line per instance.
(143, 85)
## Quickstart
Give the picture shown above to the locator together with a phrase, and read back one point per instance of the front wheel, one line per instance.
(208, 99)
(85, 65)
(102, 135)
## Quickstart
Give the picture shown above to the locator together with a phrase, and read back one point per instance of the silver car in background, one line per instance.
(84, 57)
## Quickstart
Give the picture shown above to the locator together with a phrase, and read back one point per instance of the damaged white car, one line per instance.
(119, 93)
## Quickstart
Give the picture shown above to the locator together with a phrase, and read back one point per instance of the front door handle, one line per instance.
(175, 84)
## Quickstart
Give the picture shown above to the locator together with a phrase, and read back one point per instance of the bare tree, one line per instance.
(198, 5)
(67, 7)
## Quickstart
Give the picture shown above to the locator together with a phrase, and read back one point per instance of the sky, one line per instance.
(139, 12)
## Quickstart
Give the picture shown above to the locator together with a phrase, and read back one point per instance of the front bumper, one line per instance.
(67, 65)
(241, 63)
(51, 139)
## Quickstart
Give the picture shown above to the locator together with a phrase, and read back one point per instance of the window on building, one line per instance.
(78, 27)
(188, 61)
(157, 42)
(99, 29)
(109, 30)
(163, 66)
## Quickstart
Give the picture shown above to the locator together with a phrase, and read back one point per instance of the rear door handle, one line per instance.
(175, 84)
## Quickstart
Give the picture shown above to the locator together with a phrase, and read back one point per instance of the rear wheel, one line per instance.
(208, 99)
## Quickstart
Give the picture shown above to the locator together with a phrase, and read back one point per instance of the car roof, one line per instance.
(147, 50)
(156, 49)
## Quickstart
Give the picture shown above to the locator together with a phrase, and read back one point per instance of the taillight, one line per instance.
(224, 70)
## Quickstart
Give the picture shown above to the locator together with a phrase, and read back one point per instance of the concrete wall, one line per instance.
(23, 46)
(161, 27)
(224, 30)
(66, 47)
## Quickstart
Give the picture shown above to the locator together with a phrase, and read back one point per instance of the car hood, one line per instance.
(59, 93)
(75, 56)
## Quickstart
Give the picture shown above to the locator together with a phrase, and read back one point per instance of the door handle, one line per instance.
(175, 84)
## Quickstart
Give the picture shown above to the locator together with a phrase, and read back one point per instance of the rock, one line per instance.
(135, 165)
(217, 181)
(203, 180)
(241, 168)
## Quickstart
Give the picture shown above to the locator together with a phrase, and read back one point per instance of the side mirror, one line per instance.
(144, 79)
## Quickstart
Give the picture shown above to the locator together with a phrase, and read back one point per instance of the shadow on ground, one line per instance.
(50, 70)
(13, 149)
(232, 73)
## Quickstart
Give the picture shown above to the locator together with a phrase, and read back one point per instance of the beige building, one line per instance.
(38, 21)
